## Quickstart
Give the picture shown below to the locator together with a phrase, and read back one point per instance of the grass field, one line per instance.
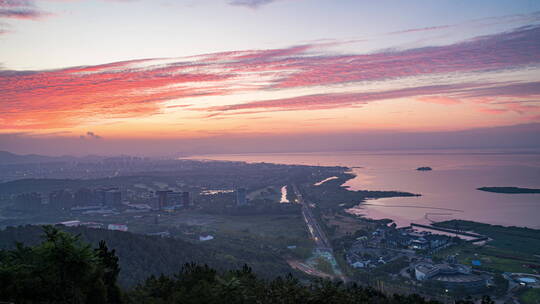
(492, 258)
(530, 296)
(276, 231)
(518, 239)
(512, 249)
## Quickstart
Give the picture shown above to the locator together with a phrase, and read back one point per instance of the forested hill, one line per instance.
(62, 268)
(142, 256)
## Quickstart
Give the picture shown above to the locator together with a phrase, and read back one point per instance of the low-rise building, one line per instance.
(73, 223)
(203, 238)
(451, 276)
(119, 227)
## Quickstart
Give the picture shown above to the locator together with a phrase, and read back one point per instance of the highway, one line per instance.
(317, 234)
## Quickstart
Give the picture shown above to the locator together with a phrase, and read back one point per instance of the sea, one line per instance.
(449, 191)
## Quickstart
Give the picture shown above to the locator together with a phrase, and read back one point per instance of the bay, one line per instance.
(448, 191)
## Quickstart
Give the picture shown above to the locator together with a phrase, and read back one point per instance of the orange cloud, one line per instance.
(439, 100)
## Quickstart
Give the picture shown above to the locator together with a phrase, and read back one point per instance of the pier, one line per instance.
(476, 237)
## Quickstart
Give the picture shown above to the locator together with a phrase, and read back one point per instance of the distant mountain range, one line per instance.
(7, 158)
(11, 158)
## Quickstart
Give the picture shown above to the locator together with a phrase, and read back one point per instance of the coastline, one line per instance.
(452, 184)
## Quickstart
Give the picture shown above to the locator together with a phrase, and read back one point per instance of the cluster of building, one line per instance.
(170, 200)
(85, 199)
(451, 276)
(404, 238)
(28, 201)
(66, 198)
(77, 223)
(387, 243)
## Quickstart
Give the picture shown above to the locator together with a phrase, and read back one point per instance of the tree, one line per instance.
(59, 270)
(111, 270)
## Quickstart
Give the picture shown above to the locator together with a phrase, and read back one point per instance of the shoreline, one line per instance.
(350, 170)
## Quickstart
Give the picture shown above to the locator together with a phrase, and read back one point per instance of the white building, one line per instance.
(203, 238)
(118, 227)
(74, 223)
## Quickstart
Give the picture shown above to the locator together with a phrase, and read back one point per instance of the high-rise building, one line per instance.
(241, 199)
(163, 198)
(113, 197)
(174, 199)
(168, 199)
(28, 201)
(186, 199)
(85, 197)
(108, 196)
(61, 199)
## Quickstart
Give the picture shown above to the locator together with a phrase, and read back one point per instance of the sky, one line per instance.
(163, 77)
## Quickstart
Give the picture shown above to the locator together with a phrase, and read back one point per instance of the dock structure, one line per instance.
(476, 237)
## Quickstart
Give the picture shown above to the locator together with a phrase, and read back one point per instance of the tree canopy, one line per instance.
(61, 269)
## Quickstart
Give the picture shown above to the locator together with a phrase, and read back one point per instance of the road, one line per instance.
(315, 230)
(317, 233)
(308, 269)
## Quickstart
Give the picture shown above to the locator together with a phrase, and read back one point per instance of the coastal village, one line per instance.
(388, 244)
(420, 254)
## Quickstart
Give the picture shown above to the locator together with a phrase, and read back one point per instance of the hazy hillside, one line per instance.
(142, 256)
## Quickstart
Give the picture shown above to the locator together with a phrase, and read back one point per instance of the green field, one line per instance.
(530, 296)
(518, 239)
(492, 258)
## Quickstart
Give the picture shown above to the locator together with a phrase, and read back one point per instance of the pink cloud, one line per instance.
(422, 29)
(67, 97)
(15, 3)
(533, 118)
(496, 52)
(466, 91)
(439, 100)
(20, 9)
(337, 100)
(522, 108)
(492, 111)
(250, 3)
(137, 88)
(22, 14)
(515, 107)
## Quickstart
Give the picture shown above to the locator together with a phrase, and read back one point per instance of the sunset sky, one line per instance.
(118, 76)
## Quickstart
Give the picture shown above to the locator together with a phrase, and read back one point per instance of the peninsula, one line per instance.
(509, 190)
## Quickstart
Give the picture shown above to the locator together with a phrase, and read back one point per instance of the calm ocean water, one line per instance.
(448, 192)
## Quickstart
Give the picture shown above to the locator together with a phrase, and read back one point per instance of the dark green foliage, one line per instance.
(141, 256)
(501, 284)
(111, 270)
(59, 270)
(484, 300)
(201, 284)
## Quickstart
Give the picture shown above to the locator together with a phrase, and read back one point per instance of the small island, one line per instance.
(424, 169)
(509, 190)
